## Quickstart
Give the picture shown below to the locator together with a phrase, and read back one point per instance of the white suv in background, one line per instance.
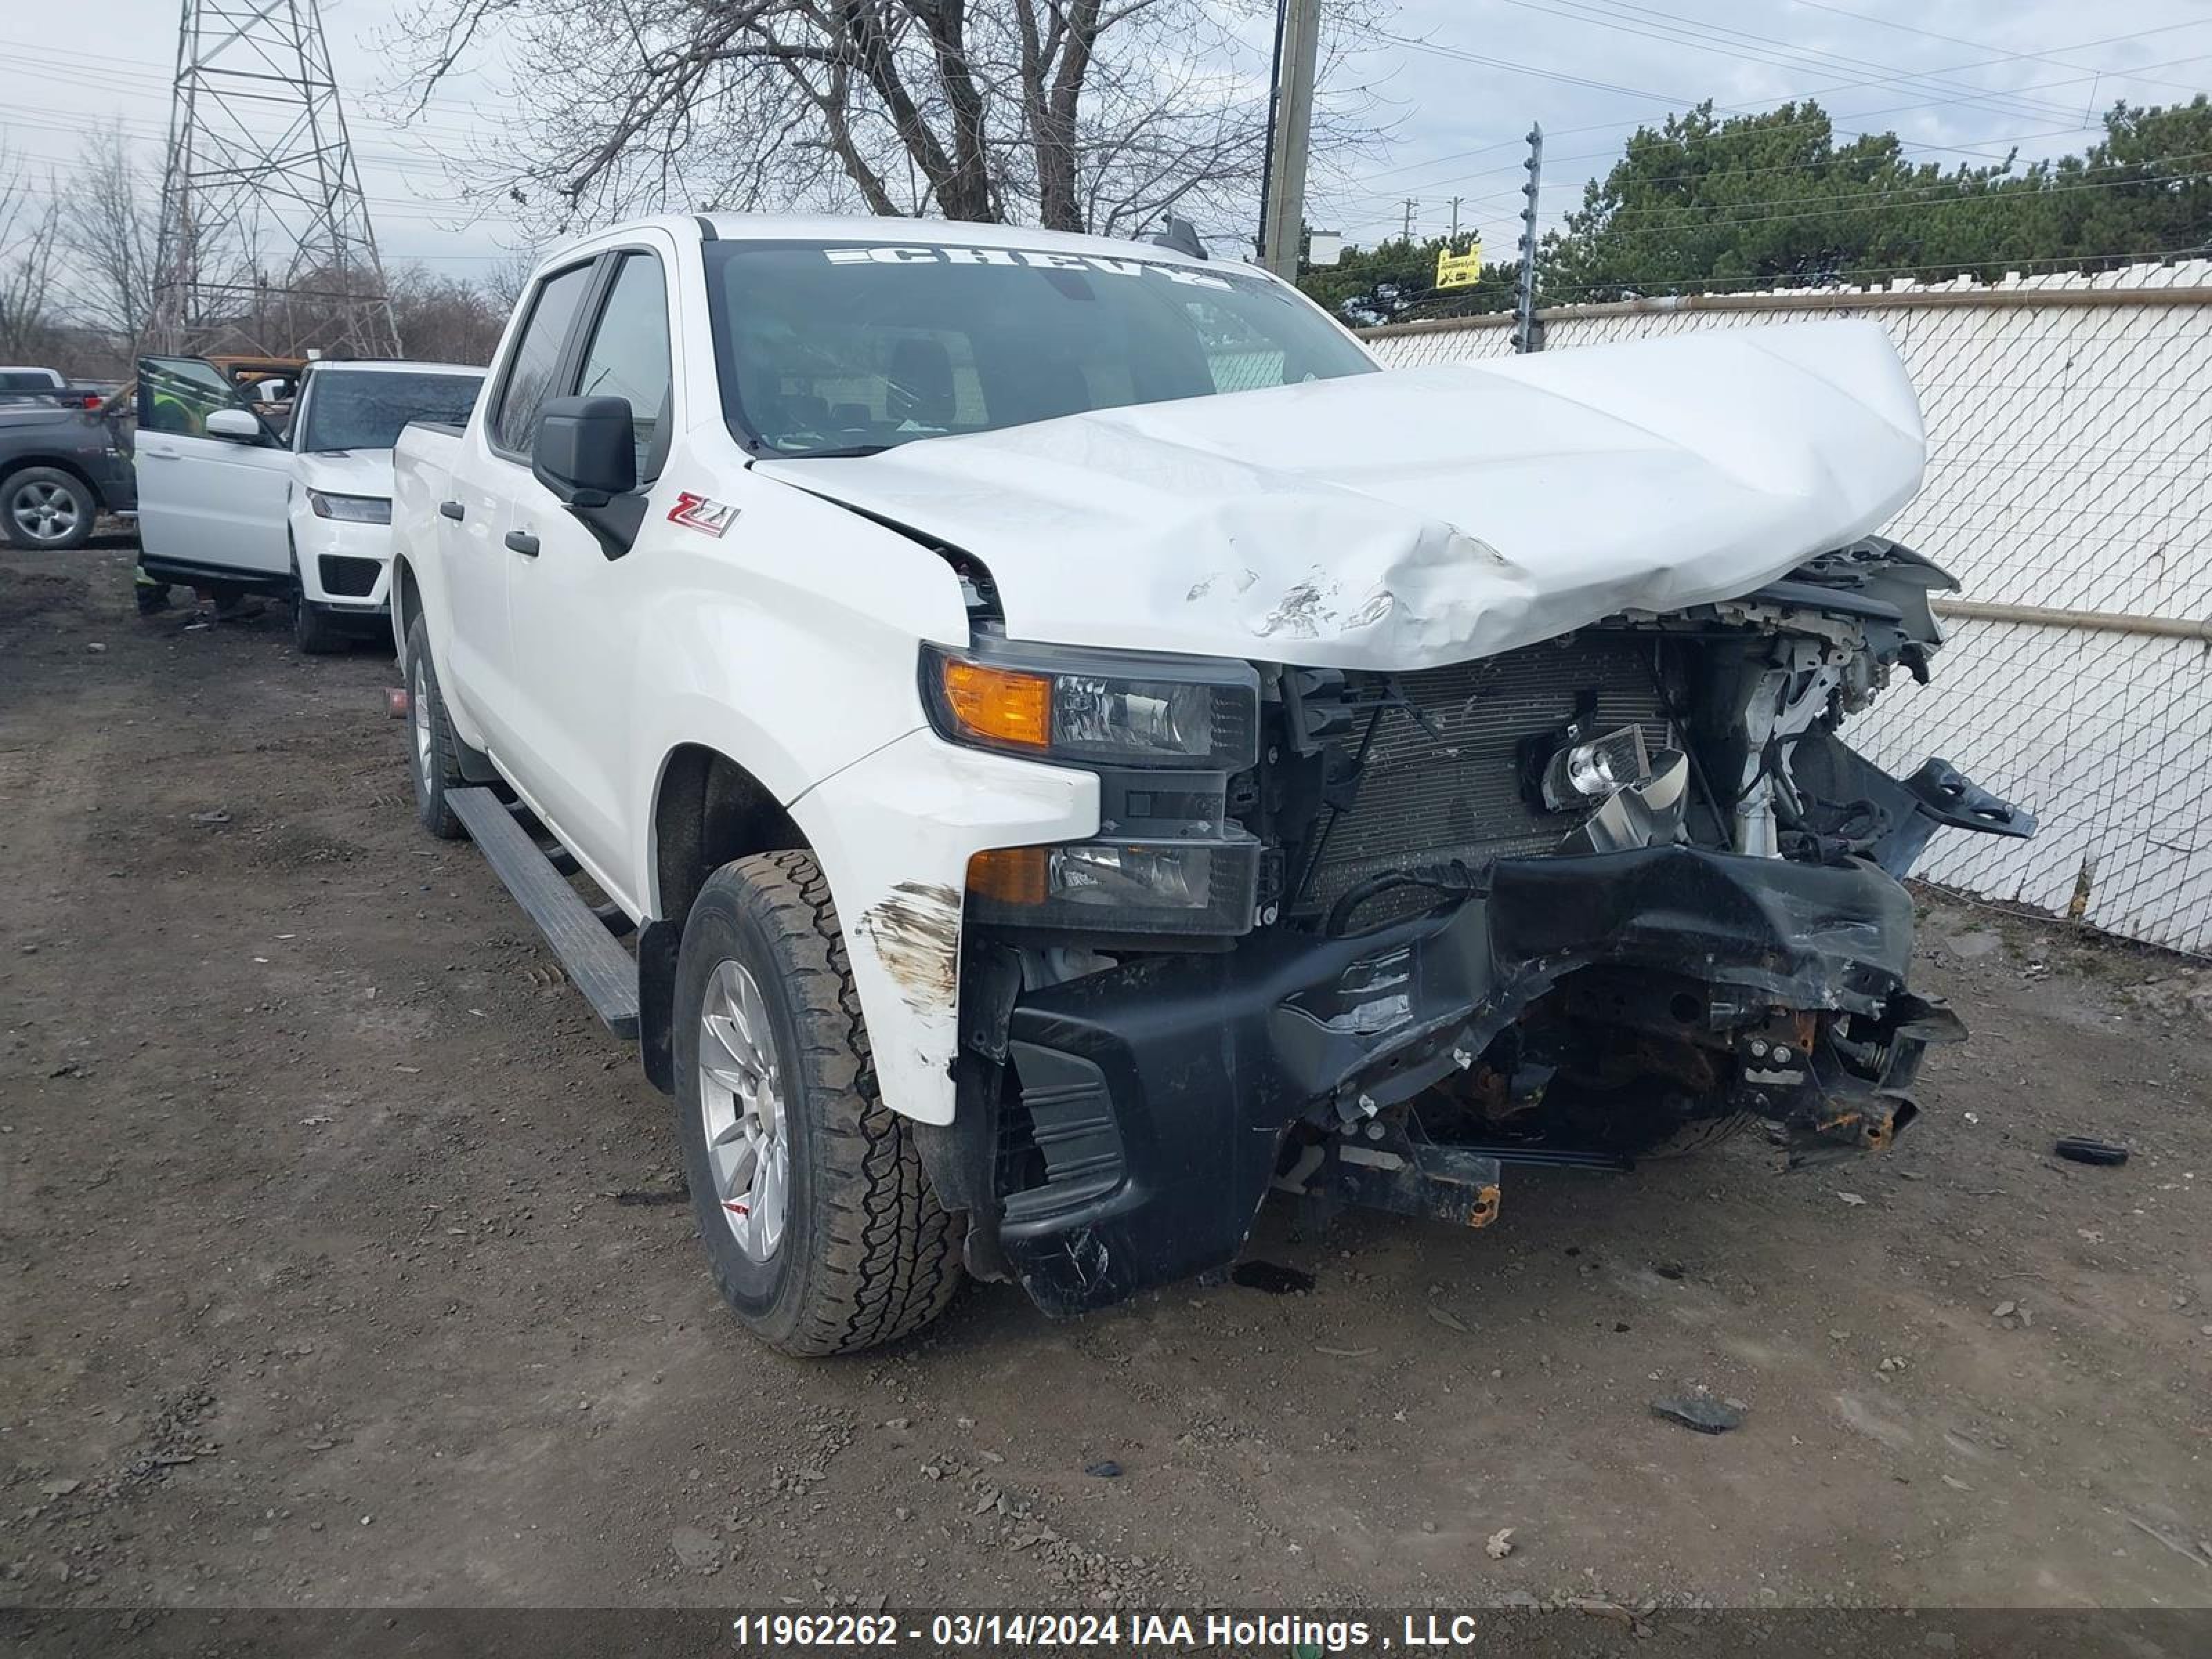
(235, 499)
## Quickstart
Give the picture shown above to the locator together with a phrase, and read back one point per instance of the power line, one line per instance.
(1615, 16)
(1838, 122)
(1717, 138)
(2038, 57)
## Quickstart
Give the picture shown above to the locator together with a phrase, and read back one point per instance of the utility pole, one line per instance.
(1410, 205)
(260, 184)
(1528, 332)
(1297, 51)
(1457, 200)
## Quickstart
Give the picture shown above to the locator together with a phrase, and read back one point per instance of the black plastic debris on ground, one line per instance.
(1271, 1277)
(1696, 1411)
(2081, 1149)
(1104, 1469)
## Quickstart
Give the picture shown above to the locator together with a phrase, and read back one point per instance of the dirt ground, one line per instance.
(344, 1262)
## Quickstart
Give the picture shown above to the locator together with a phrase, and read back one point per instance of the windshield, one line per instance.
(365, 411)
(842, 350)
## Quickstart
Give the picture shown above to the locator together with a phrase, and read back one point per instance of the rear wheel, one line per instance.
(45, 507)
(820, 1225)
(431, 749)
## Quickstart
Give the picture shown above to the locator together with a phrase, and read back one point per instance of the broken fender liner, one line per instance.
(1200, 1063)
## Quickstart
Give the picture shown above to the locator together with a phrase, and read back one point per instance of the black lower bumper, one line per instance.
(1158, 1093)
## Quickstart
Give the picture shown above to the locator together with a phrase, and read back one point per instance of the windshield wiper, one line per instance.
(838, 454)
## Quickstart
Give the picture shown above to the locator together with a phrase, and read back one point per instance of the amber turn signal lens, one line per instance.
(1010, 875)
(999, 705)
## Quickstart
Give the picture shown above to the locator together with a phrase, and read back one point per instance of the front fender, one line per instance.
(893, 833)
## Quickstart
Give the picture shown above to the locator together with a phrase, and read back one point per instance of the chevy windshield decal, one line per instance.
(1094, 264)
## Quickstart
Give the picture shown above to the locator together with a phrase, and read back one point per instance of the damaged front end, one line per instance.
(1372, 937)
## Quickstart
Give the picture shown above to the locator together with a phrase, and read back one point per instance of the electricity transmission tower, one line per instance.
(265, 244)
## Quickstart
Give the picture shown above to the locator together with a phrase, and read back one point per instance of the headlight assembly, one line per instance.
(351, 509)
(1164, 734)
(1096, 709)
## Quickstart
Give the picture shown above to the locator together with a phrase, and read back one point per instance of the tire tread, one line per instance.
(887, 1256)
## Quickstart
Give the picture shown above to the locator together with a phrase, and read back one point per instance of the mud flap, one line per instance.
(656, 1003)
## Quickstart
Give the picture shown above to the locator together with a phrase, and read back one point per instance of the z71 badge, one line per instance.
(697, 513)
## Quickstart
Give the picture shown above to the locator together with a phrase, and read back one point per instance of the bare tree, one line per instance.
(508, 277)
(441, 319)
(1077, 114)
(108, 229)
(30, 228)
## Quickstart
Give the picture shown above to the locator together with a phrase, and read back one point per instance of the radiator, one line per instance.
(1460, 793)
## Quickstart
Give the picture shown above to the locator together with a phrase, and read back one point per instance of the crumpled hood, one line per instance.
(345, 471)
(1420, 516)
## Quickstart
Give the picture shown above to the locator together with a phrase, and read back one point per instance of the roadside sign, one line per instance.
(1459, 270)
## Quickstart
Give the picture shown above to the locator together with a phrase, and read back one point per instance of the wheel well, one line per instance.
(59, 464)
(405, 596)
(710, 810)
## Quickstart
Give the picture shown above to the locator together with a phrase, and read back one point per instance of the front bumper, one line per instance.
(1158, 1093)
(345, 568)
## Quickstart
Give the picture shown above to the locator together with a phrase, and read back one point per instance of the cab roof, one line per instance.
(828, 227)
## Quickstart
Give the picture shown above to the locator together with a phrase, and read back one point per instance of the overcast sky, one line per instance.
(1960, 80)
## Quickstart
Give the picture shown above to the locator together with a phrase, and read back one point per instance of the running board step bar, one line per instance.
(605, 972)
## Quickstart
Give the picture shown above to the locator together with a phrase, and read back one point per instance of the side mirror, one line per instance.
(240, 426)
(586, 453)
(585, 450)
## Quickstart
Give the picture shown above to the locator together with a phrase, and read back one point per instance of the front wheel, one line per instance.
(820, 1224)
(313, 632)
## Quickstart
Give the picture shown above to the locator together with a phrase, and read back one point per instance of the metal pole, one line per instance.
(1410, 205)
(1528, 334)
(2101, 622)
(1284, 223)
(1275, 113)
(1457, 200)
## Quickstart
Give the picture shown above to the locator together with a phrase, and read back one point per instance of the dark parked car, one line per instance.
(60, 469)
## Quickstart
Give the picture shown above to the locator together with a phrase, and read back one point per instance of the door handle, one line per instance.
(453, 510)
(523, 543)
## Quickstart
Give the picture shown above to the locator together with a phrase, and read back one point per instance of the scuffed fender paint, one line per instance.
(894, 832)
(915, 933)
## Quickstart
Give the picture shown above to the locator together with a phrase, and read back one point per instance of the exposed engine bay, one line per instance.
(1580, 902)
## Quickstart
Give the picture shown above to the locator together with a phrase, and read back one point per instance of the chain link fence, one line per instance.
(2070, 489)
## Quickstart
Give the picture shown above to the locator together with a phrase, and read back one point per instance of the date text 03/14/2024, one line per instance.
(1294, 1632)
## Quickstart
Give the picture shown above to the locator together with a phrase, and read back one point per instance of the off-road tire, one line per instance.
(442, 773)
(86, 506)
(313, 632)
(868, 1255)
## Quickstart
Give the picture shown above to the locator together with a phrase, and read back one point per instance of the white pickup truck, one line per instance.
(240, 496)
(1080, 745)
